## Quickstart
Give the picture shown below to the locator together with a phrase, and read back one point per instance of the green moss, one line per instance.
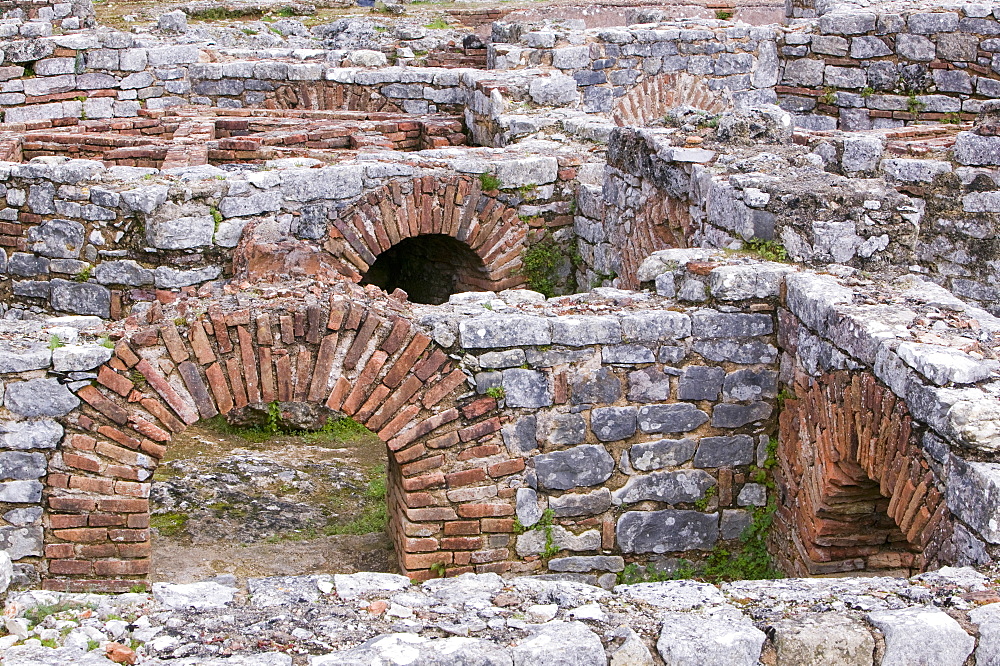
(767, 250)
(723, 14)
(438, 24)
(168, 524)
(497, 392)
(541, 263)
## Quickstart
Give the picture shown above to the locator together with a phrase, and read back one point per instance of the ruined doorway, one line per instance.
(260, 497)
(429, 268)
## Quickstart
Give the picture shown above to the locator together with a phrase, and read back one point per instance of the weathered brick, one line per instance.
(462, 527)
(65, 520)
(504, 525)
(481, 429)
(478, 407)
(71, 567)
(506, 467)
(429, 365)
(422, 465)
(419, 545)
(423, 482)
(81, 535)
(425, 560)
(72, 504)
(121, 567)
(173, 342)
(484, 510)
(466, 477)
(482, 451)
(443, 387)
(101, 403)
(406, 360)
(59, 550)
(117, 383)
(462, 543)
(200, 344)
(431, 514)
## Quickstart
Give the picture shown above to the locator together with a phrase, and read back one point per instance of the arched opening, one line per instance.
(272, 489)
(429, 268)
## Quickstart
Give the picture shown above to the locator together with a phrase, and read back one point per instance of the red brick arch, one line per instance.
(454, 206)
(858, 493)
(354, 356)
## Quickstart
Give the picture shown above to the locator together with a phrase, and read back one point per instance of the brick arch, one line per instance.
(454, 206)
(656, 95)
(354, 356)
(858, 493)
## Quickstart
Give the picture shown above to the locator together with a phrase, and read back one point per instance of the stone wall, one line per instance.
(83, 238)
(614, 426)
(859, 69)
(32, 14)
(738, 63)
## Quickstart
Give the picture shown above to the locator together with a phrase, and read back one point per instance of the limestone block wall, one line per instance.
(857, 69)
(734, 63)
(82, 238)
(573, 435)
(658, 195)
(68, 15)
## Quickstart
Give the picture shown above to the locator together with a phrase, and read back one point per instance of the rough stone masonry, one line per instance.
(624, 296)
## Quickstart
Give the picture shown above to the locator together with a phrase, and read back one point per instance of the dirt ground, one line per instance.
(257, 505)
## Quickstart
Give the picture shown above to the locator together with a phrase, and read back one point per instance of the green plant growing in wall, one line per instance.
(84, 274)
(768, 250)
(438, 24)
(952, 118)
(489, 182)
(914, 105)
(540, 265)
(723, 14)
(55, 342)
(439, 569)
(867, 92)
(829, 97)
(706, 499)
(497, 392)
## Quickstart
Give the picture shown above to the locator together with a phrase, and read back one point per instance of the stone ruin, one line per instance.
(770, 236)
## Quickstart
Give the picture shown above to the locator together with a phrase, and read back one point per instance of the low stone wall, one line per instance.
(858, 69)
(615, 427)
(738, 64)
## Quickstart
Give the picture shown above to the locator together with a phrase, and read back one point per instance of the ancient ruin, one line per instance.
(625, 290)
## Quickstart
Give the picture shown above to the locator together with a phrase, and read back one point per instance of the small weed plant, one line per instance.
(489, 181)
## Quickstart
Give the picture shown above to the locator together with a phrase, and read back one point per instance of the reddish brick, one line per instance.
(94, 550)
(132, 489)
(60, 521)
(324, 366)
(137, 520)
(400, 328)
(172, 341)
(420, 429)
(155, 408)
(92, 485)
(498, 525)
(492, 555)
(484, 510)
(121, 567)
(429, 365)
(443, 387)
(128, 535)
(477, 408)
(400, 421)
(419, 545)
(483, 451)
(466, 477)
(105, 520)
(59, 550)
(72, 504)
(411, 453)
(117, 383)
(423, 482)
(200, 344)
(101, 403)
(444, 441)
(140, 549)
(123, 505)
(81, 462)
(462, 543)
(425, 560)
(431, 514)
(506, 467)
(81, 535)
(118, 436)
(405, 362)
(480, 429)
(70, 567)
(418, 500)
(462, 527)
(82, 442)
(422, 465)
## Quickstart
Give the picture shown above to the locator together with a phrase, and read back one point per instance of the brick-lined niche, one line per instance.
(857, 493)
(455, 207)
(361, 360)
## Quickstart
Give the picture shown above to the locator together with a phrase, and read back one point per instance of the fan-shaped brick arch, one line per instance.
(453, 205)
(651, 99)
(858, 492)
(353, 356)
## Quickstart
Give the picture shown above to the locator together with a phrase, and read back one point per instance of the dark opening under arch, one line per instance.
(429, 268)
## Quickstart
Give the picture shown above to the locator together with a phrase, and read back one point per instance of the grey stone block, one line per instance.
(22, 542)
(510, 358)
(558, 643)
(581, 504)
(735, 416)
(79, 358)
(804, 72)
(973, 492)
(751, 352)
(666, 531)
(924, 635)
(22, 466)
(648, 456)
(123, 271)
(27, 265)
(847, 23)
(585, 465)
(602, 387)
(749, 384)
(21, 492)
(987, 619)
(38, 434)
(669, 487)
(681, 417)
(612, 424)
(864, 48)
(699, 382)
(526, 388)
(655, 326)
(952, 81)
(725, 451)
(59, 239)
(526, 507)
(585, 563)
(628, 354)
(504, 331)
(932, 23)
(823, 639)
(828, 45)
(167, 232)
(915, 47)
(533, 542)
(23, 355)
(734, 522)
(711, 324)
(722, 637)
(752, 494)
(845, 77)
(648, 385)
(520, 436)
(957, 47)
(84, 298)
(165, 277)
(565, 429)
(40, 397)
